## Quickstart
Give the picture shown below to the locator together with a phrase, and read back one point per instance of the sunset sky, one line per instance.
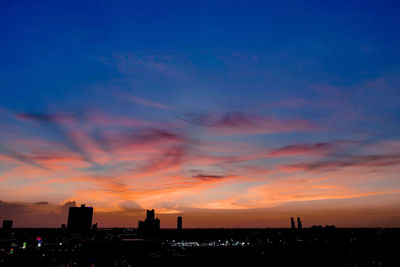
(229, 113)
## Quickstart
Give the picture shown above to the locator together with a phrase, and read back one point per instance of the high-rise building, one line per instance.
(7, 224)
(299, 223)
(179, 223)
(151, 225)
(293, 225)
(150, 214)
(80, 218)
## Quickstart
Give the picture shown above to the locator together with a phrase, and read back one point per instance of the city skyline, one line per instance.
(229, 114)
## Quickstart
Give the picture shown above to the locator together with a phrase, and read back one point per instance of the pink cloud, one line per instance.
(171, 158)
(301, 148)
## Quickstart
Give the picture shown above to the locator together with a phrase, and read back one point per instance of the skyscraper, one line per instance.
(150, 214)
(80, 218)
(179, 223)
(151, 225)
(293, 225)
(299, 224)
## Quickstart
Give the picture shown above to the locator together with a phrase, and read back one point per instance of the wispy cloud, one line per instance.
(238, 123)
(209, 177)
(58, 125)
(141, 101)
(172, 157)
(47, 118)
(367, 161)
(296, 149)
(21, 157)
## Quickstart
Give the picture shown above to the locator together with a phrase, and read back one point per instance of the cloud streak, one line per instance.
(209, 177)
(57, 124)
(238, 123)
(296, 149)
(142, 101)
(365, 161)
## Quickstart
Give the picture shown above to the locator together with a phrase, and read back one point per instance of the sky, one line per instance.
(229, 113)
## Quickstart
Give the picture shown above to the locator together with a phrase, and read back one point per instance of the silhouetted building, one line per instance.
(94, 227)
(150, 214)
(299, 224)
(63, 226)
(292, 224)
(80, 218)
(7, 224)
(179, 223)
(150, 225)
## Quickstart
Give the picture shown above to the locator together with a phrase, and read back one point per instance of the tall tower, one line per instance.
(150, 226)
(293, 225)
(179, 223)
(80, 218)
(150, 214)
(299, 224)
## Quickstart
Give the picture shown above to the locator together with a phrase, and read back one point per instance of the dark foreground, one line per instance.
(202, 247)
